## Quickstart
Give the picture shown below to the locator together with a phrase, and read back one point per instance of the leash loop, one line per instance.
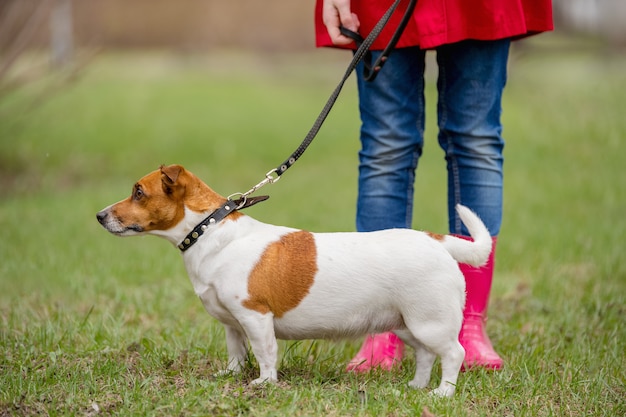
(243, 199)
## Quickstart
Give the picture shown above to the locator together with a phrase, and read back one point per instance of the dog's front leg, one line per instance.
(260, 331)
(236, 346)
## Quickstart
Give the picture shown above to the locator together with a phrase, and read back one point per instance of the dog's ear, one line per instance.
(169, 176)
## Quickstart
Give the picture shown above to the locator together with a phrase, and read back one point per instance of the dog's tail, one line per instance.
(476, 251)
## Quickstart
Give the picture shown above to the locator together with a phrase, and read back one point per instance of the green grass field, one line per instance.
(93, 324)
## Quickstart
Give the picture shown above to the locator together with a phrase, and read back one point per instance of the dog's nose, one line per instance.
(101, 216)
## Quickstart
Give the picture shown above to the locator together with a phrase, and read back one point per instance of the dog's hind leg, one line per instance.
(451, 360)
(429, 341)
(424, 359)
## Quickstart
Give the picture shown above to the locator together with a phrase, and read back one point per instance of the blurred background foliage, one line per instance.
(66, 26)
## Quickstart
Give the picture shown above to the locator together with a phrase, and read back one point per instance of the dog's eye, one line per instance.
(138, 193)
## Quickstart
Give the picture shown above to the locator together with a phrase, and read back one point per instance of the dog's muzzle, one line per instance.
(113, 224)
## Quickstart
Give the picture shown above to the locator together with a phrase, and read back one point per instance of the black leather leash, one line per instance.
(362, 52)
(371, 72)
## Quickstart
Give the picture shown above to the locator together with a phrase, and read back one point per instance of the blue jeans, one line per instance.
(472, 76)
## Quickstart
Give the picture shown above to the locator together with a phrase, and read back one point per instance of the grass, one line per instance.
(91, 324)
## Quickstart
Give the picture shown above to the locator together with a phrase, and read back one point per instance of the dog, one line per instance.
(264, 282)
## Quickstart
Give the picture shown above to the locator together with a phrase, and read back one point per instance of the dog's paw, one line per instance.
(224, 373)
(263, 380)
(447, 391)
(418, 384)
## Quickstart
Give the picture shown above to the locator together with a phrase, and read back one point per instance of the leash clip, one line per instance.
(270, 178)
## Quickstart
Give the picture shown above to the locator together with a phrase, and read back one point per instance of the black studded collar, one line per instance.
(217, 216)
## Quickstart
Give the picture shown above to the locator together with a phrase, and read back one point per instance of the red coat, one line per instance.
(439, 22)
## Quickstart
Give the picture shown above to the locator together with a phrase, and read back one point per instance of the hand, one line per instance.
(337, 13)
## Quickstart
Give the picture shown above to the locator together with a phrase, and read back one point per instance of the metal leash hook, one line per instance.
(270, 178)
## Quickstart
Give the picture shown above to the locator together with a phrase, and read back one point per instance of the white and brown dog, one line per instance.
(265, 282)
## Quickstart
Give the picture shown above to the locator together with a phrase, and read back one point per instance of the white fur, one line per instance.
(394, 280)
(464, 251)
(397, 280)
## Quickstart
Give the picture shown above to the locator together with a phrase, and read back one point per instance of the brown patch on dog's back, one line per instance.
(284, 274)
(436, 236)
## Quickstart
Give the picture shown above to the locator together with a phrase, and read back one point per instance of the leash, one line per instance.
(363, 51)
(370, 71)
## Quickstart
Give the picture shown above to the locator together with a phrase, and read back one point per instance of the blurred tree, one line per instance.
(61, 33)
(19, 24)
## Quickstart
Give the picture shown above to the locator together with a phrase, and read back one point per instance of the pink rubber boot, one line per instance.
(382, 351)
(479, 351)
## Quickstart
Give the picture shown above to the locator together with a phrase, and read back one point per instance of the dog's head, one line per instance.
(159, 202)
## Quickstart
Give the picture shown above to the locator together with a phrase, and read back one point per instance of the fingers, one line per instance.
(337, 13)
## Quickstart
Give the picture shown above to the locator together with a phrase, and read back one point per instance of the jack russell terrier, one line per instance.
(265, 282)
